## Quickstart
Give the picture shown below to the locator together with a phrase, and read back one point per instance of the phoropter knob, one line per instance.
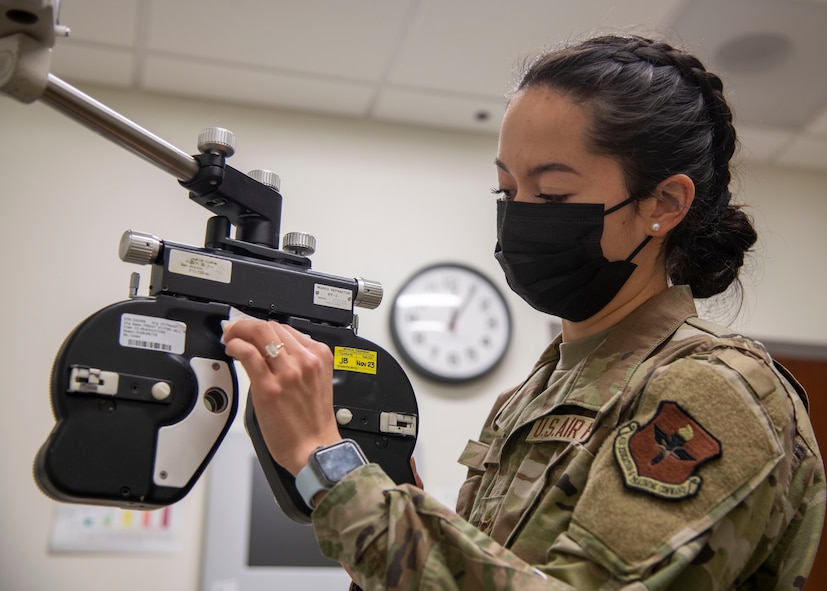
(139, 248)
(266, 177)
(298, 243)
(216, 140)
(368, 293)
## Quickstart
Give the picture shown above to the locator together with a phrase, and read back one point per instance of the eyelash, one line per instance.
(508, 195)
(503, 194)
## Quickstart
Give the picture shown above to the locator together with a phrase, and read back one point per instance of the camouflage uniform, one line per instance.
(669, 456)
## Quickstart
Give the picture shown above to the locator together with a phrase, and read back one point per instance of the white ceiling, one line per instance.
(440, 63)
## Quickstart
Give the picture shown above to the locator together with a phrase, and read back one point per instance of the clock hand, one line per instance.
(452, 324)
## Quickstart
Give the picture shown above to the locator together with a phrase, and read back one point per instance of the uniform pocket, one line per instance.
(568, 481)
(473, 458)
(486, 511)
(551, 513)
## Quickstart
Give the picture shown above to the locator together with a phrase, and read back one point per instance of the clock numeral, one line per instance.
(452, 284)
(451, 323)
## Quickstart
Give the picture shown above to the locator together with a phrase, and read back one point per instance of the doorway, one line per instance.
(808, 364)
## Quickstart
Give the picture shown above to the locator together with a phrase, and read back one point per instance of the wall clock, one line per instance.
(450, 323)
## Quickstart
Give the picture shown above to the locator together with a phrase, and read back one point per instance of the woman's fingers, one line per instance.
(291, 383)
(247, 341)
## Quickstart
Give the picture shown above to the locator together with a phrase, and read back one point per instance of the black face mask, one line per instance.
(551, 256)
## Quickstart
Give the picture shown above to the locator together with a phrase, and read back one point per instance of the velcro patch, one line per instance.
(662, 456)
(561, 428)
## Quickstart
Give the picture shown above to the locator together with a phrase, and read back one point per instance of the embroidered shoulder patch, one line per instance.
(663, 456)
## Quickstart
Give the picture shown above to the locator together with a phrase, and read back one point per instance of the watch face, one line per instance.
(450, 323)
(337, 461)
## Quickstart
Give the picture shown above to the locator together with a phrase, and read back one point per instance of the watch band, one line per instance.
(308, 484)
(340, 459)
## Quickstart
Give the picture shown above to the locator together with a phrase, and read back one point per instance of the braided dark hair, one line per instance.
(659, 112)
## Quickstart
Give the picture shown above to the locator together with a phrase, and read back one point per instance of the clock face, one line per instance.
(450, 323)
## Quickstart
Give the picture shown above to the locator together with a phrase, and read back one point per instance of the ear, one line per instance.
(672, 198)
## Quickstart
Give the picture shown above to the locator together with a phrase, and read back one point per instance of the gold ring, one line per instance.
(272, 349)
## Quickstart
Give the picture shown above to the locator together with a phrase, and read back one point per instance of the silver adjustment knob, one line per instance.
(266, 177)
(134, 284)
(298, 243)
(368, 293)
(216, 140)
(139, 248)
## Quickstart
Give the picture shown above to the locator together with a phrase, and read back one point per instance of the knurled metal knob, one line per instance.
(368, 293)
(216, 140)
(139, 248)
(266, 177)
(298, 243)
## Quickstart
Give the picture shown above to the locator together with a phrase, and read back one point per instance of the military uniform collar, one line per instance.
(630, 342)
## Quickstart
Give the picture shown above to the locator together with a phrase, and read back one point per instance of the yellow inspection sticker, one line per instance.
(352, 359)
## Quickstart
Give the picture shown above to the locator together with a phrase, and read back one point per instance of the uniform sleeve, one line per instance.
(398, 537)
(710, 485)
(707, 485)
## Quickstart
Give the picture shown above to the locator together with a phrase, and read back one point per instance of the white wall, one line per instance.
(381, 200)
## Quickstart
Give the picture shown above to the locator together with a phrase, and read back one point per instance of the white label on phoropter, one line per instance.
(155, 334)
(332, 297)
(200, 266)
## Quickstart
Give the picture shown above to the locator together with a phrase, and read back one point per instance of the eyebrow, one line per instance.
(541, 168)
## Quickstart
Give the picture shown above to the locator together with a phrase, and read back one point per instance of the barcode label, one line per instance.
(148, 345)
(151, 333)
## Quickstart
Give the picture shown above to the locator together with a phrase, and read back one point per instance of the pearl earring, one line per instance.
(656, 227)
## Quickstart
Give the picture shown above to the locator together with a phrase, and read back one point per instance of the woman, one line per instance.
(647, 449)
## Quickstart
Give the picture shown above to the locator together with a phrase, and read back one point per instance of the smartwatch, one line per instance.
(326, 466)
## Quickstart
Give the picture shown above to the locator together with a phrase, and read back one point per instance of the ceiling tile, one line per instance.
(98, 65)
(761, 144)
(253, 86)
(806, 152)
(434, 62)
(346, 40)
(439, 110)
(101, 21)
(819, 125)
(787, 94)
(472, 46)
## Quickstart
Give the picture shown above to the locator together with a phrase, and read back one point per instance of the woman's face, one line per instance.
(542, 157)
